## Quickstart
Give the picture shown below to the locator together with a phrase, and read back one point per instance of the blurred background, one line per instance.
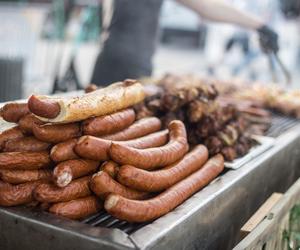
(51, 46)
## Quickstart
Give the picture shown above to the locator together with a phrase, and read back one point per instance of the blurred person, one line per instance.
(130, 33)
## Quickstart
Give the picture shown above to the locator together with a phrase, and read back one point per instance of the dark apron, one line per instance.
(128, 50)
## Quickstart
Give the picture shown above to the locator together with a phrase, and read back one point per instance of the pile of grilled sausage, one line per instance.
(131, 168)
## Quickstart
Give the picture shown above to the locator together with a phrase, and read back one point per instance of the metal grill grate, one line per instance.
(104, 219)
(281, 124)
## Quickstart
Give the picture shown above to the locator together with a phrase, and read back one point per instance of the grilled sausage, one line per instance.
(21, 176)
(152, 158)
(25, 144)
(94, 148)
(13, 112)
(90, 88)
(51, 193)
(108, 124)
(27, 122)
(77, 209)
(138, 129)
(66, 171)
(9, 134)
(64, 151)
(102, 184)
(147, 210)
(13, 195)
(159, 180)
(24, 160)
(111, 168)
(57, 132)
(45, 108)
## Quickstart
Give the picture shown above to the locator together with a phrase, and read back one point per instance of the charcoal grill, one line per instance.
(210, 219)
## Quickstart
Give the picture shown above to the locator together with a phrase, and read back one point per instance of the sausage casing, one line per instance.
(77, 209)
(24, 160)
(55, 133)
(50, 193)
(66, 171)
(108, 124)
(94, 148)
(152, 158)
(64, 151)
(148, 210)
(159, 180)
(111, 168)
(10, 134)
(13, 112)
(138, 129)
(21, 176)
(27, 122)
(25, 144)
(13, 195)
(102, 184)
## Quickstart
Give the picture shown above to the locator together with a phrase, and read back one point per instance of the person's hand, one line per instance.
(268, 39)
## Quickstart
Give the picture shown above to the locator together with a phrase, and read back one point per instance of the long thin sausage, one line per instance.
(13, 195)
(64, 151)
(9, 134)
(25, 144)
(138, 129)
(21, 176)
(111, 168)
(77, 209)
(66, 171)
(159, 180)
(148, 210)
(13, 112)
(152, 158)
(51, 193)
(27, 122)
(108, 124)
(102, 184)
(24, 160)
(55, 133)
(94, 148)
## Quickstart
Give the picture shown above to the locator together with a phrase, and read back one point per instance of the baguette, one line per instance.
(104, 101)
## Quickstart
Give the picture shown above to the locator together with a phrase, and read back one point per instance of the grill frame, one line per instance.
(203, 222)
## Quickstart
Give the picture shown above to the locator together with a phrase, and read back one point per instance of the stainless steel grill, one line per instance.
(210, 219)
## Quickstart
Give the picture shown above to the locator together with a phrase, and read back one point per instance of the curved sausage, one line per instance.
(90, 88)
(13, 112)
(24, 160)
(43, 107)
(152, 158)
(21, 176)
(147, 210)
(94, 148)
(66, 171)
(13, 195)
(111, 168)
(9, 134)
(25, 144)
(108, 124)
(55, 133)
(27, 122)
(102, 184)
(51, 193)
(77, 209)
(159, 180)
(138, 129)
(64, 151)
